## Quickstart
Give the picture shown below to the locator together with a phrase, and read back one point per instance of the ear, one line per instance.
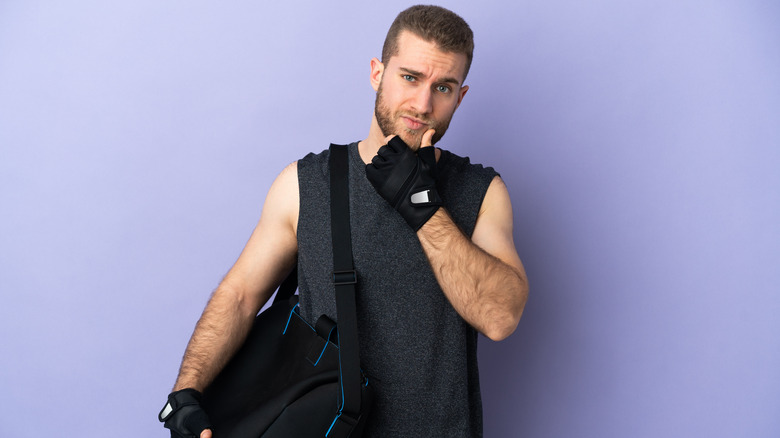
(462, 93)
(377, 69)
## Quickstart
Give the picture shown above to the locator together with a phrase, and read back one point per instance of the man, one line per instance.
(430, 276)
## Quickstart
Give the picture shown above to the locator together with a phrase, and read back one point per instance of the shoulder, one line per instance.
(287, 178)
(452, 165)
(463, 185)
(453, 160)
(459, 173)
(314, 168)
(313, 159)
(496, 197)
(284, 196)
(282, 199)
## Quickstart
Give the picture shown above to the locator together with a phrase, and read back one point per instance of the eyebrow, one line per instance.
(420, 74)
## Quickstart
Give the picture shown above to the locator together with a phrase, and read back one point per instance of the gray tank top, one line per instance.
(418, 353)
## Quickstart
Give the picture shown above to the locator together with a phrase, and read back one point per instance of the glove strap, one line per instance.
(425, 198)
(188, 424)
(178, 400)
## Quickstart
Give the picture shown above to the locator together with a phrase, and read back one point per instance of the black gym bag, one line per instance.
(290, 379)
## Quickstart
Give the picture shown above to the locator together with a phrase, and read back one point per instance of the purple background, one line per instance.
(639, 141)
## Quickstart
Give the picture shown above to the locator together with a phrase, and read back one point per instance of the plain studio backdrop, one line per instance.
(640, 141)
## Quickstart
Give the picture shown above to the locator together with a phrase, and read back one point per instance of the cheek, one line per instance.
(446, 106)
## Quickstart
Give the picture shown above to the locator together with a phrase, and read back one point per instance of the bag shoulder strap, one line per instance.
(344, 279)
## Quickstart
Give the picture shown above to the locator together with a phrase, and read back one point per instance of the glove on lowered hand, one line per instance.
(183, 414)
(406, 180)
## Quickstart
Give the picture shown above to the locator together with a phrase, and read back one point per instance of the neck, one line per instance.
(375, 140)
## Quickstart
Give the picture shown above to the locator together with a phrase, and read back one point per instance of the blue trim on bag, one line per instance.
(341, 408)
(295, 312)
(333, 424)
(327, 341)
(341, 384)
(288, 319)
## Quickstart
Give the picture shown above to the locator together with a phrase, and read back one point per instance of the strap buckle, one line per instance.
(344, 277)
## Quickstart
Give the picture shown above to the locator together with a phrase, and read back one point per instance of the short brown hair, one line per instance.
(433, 24)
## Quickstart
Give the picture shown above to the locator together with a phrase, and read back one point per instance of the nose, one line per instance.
(422, 102)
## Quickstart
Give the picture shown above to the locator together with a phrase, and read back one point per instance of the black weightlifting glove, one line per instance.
(406, 180)
(183, 414)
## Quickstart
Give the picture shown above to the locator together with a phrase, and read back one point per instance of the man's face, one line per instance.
(419, 88)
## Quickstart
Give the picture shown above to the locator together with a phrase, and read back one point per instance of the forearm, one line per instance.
(488, 293)
(220, 331)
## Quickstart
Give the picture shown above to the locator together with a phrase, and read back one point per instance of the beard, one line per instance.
(390, 123)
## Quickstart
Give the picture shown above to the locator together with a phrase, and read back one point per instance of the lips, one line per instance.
(412, 123)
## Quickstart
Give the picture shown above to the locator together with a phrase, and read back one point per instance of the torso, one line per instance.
(418, 352)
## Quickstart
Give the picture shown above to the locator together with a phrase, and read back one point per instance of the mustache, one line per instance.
(420, 117)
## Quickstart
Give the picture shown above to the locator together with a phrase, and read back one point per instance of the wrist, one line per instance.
(437, 227)
(183, 384)
(183, 415)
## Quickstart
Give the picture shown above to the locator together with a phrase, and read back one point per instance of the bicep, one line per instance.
(493, 230)
(270, 253)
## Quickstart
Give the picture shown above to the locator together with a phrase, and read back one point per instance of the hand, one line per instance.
(407, 180)
(184, 416)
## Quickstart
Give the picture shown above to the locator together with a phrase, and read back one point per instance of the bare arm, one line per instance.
(483, 278)
(268, 257)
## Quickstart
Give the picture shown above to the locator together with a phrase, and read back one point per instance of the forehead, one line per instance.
(419, 55)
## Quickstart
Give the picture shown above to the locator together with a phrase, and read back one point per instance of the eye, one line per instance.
(443, 89)
(409, 78)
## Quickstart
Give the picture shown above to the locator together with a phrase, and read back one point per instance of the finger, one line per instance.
(388, 138)
(206, 433)
(427, 138)
(378, 159)
(428, 156)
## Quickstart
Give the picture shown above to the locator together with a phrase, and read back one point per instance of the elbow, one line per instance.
(497, 333)
(233, 299)
(502, 326)
(504, 323)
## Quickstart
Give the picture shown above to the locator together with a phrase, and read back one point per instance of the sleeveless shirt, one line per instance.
(418, 353)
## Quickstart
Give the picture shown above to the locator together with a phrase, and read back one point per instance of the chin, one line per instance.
(412, 140)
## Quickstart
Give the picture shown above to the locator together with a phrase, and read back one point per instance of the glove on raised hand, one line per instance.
(406, 180)
(183, 414)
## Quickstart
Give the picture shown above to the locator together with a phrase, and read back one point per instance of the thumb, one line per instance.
(206, 433)
(427, 138)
